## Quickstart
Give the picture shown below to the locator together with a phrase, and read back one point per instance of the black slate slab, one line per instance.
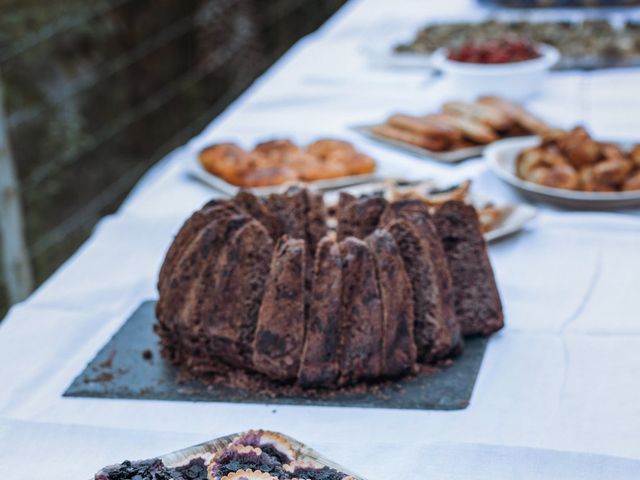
(130, 366)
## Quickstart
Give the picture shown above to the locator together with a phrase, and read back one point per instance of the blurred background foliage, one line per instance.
(97, 91)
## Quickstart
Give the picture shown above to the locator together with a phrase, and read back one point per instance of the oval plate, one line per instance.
(501, 158)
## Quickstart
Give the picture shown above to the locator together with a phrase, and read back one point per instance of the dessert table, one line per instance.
(562, 376)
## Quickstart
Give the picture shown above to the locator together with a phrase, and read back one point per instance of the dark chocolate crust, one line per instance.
(398, 344)
(476, 298)
(346, 225)
(437, 297)
(237, 284)
(316, 219)
(257, 208)
(319, 365)
(179, 324)
(280, 330)
(360, 348)
(192, 227)
(290, 208)
(358, 217)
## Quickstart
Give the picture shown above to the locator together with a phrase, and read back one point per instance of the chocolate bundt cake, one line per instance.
(265, 285)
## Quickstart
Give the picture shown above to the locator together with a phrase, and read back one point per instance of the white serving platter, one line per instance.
(501, 158)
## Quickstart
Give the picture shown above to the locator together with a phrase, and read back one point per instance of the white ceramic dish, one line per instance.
(517, 80)
(516, 215)
(196, 169)
(452, 156)
(501, 158)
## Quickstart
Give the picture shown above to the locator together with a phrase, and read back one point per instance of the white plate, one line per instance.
(501, 157)
(452, 156)
(516, 217)
(196, 169)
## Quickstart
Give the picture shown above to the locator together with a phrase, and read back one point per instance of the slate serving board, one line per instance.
(130, 366)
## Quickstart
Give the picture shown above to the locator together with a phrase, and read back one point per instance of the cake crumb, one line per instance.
(108, 363)
(244, 381)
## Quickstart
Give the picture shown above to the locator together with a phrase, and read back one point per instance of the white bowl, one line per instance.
(501, 158)
(516, 80)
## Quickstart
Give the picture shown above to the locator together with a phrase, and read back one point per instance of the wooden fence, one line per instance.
(96, 91)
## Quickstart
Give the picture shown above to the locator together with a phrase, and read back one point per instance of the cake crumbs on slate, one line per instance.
(240, 380)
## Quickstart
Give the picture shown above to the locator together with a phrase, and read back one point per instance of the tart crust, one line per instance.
(249, 475)
(263, 438)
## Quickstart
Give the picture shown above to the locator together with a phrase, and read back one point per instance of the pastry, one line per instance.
(433, 143)
(487, 114)
(573, 160)
(526, 120)
(281, 161)
(632, 182)
(421, 125)
(461, 125)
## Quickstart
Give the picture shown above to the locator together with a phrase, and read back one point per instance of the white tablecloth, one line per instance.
(563, 375)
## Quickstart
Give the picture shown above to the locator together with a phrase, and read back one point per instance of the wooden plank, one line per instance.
(15, 258)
